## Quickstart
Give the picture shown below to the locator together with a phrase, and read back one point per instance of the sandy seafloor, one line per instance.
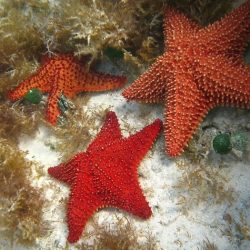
(171, 228)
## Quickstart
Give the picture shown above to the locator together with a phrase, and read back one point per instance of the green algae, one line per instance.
(34, 96)
(222, 143)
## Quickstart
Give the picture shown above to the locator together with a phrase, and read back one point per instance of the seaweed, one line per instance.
(20, 38)
(21, 204)
(77, 127)
(201, 183)
(208, 245)
(204, 11)
(92, 26)
(82, 27)
(17, 121)
(120, 234)
(237, 228)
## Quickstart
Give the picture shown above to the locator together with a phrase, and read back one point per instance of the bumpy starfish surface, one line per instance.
(106, 174)
(200, 69)
(64, 74)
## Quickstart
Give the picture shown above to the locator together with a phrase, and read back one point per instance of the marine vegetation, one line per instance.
(237, 225)
(204, 12)
(118, 233)
(200, 184)
(21, 204)
(208, 245)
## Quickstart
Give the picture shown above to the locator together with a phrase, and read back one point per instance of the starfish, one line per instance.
(201, 68)
(64, 74)
(106, 174)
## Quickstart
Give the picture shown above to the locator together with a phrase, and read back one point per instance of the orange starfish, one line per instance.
(106, 174)
(64, 74)
(200, 69)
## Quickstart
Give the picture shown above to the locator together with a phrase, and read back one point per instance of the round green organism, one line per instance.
(34, 96)
(239, 140)
(113, 53)
(222, 143)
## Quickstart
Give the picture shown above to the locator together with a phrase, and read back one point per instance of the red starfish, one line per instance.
(64, 74)
(200, 69)
(106, 174)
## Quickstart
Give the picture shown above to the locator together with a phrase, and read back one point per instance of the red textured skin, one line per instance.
(200, 69)
(64, 74)
(106, 175)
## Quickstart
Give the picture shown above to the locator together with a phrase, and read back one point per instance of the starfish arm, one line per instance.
(60, 172)
(116, 177)
(83, 202)
(81, 206)
(66, 172)
(34, 81)
(100, 82)
(53, 110)
(142, 141)
(185, 108)
(109, 133)
(176, 26)
(227, 82)
(118, 186)
(131, 200)
(124, 149)
(150, 86)
(230, 34)
(128, 152)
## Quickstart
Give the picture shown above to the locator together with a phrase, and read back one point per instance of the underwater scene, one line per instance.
(124, 124)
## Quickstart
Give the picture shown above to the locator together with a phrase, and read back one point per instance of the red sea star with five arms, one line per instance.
(201, 68)
(64, 74)
(106, 174)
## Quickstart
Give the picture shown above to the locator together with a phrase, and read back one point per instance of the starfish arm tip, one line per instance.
(110, 115)
(72, 238)
(155, 127)
(54, 172)
(51, 170)
(147, 213)
(16, 94)
(158, 122)
(173, 152)
(11, 95)
(124, 93)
